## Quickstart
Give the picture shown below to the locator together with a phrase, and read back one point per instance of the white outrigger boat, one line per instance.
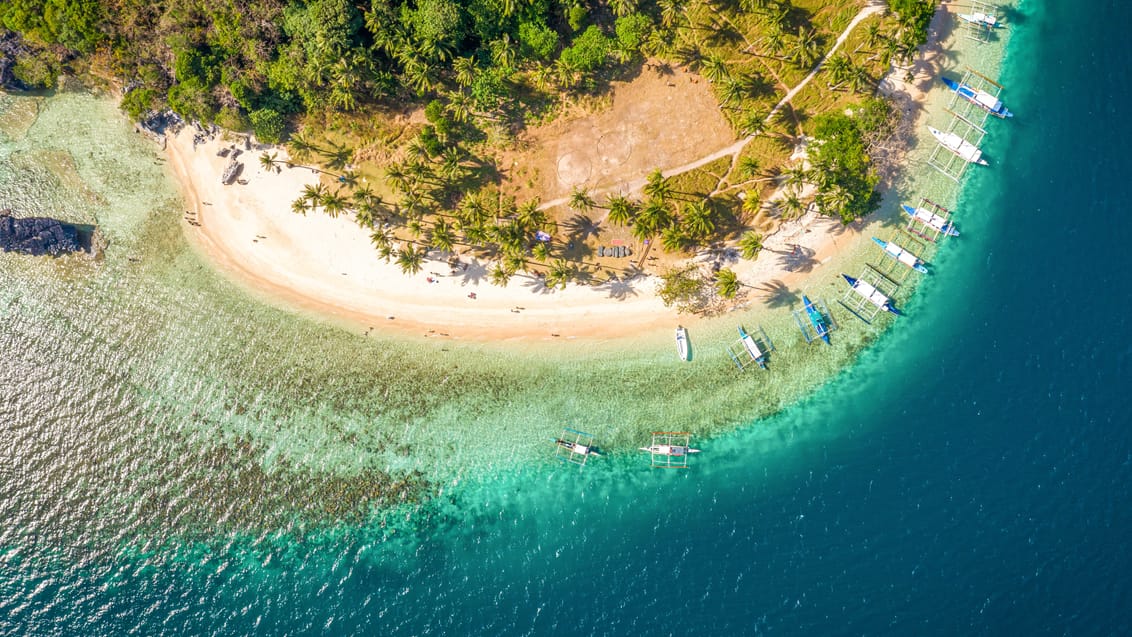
(670, 449)
(575, 447)
(962, 148)
(931, 219)
(682, 349)
(893, 250)
(870, 293)
(981, 19)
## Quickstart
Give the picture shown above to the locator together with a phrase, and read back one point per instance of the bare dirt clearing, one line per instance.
(655, 121)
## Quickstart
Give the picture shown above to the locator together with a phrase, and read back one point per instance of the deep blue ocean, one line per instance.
(970, 474)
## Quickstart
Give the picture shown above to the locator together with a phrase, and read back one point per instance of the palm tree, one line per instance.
(380, 238)
(774, 41)
(465, 69)
(396, 177)
(541, 252)
(806, 49)
(459, 107)
(334, 203)
(696, 220)
(500, 275)
(314, 194)
(443, 238)
(726, 283)
(672, 239)
(559, 274)
(732, 92)
(859, 80)
(836, 199)
(796, 177)
(622, 8)
(872, 35)
(621, 210)
(750, 244)
(300, 206)
(670, 12)
(657, 187)
(267, 160)
(748, 167)
(529, 216)
(653, 218)
(751, 202)
(839, 67)
(410, 260)
(581, 200)
(714, 69)
(775, 18)
(791, 206)
(503, 51)
(752, 123)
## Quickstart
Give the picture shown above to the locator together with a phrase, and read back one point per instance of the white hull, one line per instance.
(962, 148)
(682, 343)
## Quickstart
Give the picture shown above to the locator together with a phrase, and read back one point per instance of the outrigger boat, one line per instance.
(816, 319)
(962, 148)
(670, 449)
(682, 343)
(931, 219)
(870, 293)
(576, 451)
(752, 347)
(981, 19)
(982, 99)
(900, 254)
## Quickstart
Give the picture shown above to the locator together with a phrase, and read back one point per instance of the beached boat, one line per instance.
(982, 99)
(900, 254)
(752, 347)
(979, 18)
(962, 148)
(816, 319)
(682, 343)
(931, 219)
(870, 293)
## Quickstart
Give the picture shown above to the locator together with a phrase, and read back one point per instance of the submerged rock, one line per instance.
(37, 235)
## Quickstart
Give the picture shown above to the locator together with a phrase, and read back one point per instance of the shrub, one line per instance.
(268, 125)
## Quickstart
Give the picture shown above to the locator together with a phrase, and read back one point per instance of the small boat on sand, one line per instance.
(931, 219)
(682, 343)
(816, 319)
(869, 292)
(982, 99)
(900, 254)
(962, 148)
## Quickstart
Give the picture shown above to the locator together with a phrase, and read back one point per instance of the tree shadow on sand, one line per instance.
(777, 294)
(800, 259)
(537, 285)
(474, 272)
(581, 227)
(619, 288)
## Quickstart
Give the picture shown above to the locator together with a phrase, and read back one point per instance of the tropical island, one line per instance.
(533, 146)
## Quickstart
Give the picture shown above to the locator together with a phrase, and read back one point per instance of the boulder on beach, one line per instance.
(37, 235)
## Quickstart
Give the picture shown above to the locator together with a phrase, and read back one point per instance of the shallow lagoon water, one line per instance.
(173, 472)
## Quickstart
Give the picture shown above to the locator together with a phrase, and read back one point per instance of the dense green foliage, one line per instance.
(844, 175)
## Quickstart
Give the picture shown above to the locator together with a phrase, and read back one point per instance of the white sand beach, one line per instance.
(329, 266)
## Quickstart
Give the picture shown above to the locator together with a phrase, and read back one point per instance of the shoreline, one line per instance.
(327, 266)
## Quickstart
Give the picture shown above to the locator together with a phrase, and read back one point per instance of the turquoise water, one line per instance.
(967, 475)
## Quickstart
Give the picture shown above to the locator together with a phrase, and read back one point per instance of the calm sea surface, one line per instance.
(178, 458)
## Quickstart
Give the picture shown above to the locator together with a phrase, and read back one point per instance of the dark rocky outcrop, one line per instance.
(37, 235)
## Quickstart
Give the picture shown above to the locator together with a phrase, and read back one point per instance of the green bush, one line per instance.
(632, 31)
(589, 51)
(268, 125)
(576, 17)
(138, 102)
(36, 71)
(538, 40)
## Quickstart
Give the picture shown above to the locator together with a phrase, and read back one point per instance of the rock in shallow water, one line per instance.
(37, 235)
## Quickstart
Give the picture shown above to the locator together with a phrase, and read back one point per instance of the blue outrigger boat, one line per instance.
(982, 99)
(816, 319)
(931, 220)
(903, 256)
(752, 347)
(870, 293)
